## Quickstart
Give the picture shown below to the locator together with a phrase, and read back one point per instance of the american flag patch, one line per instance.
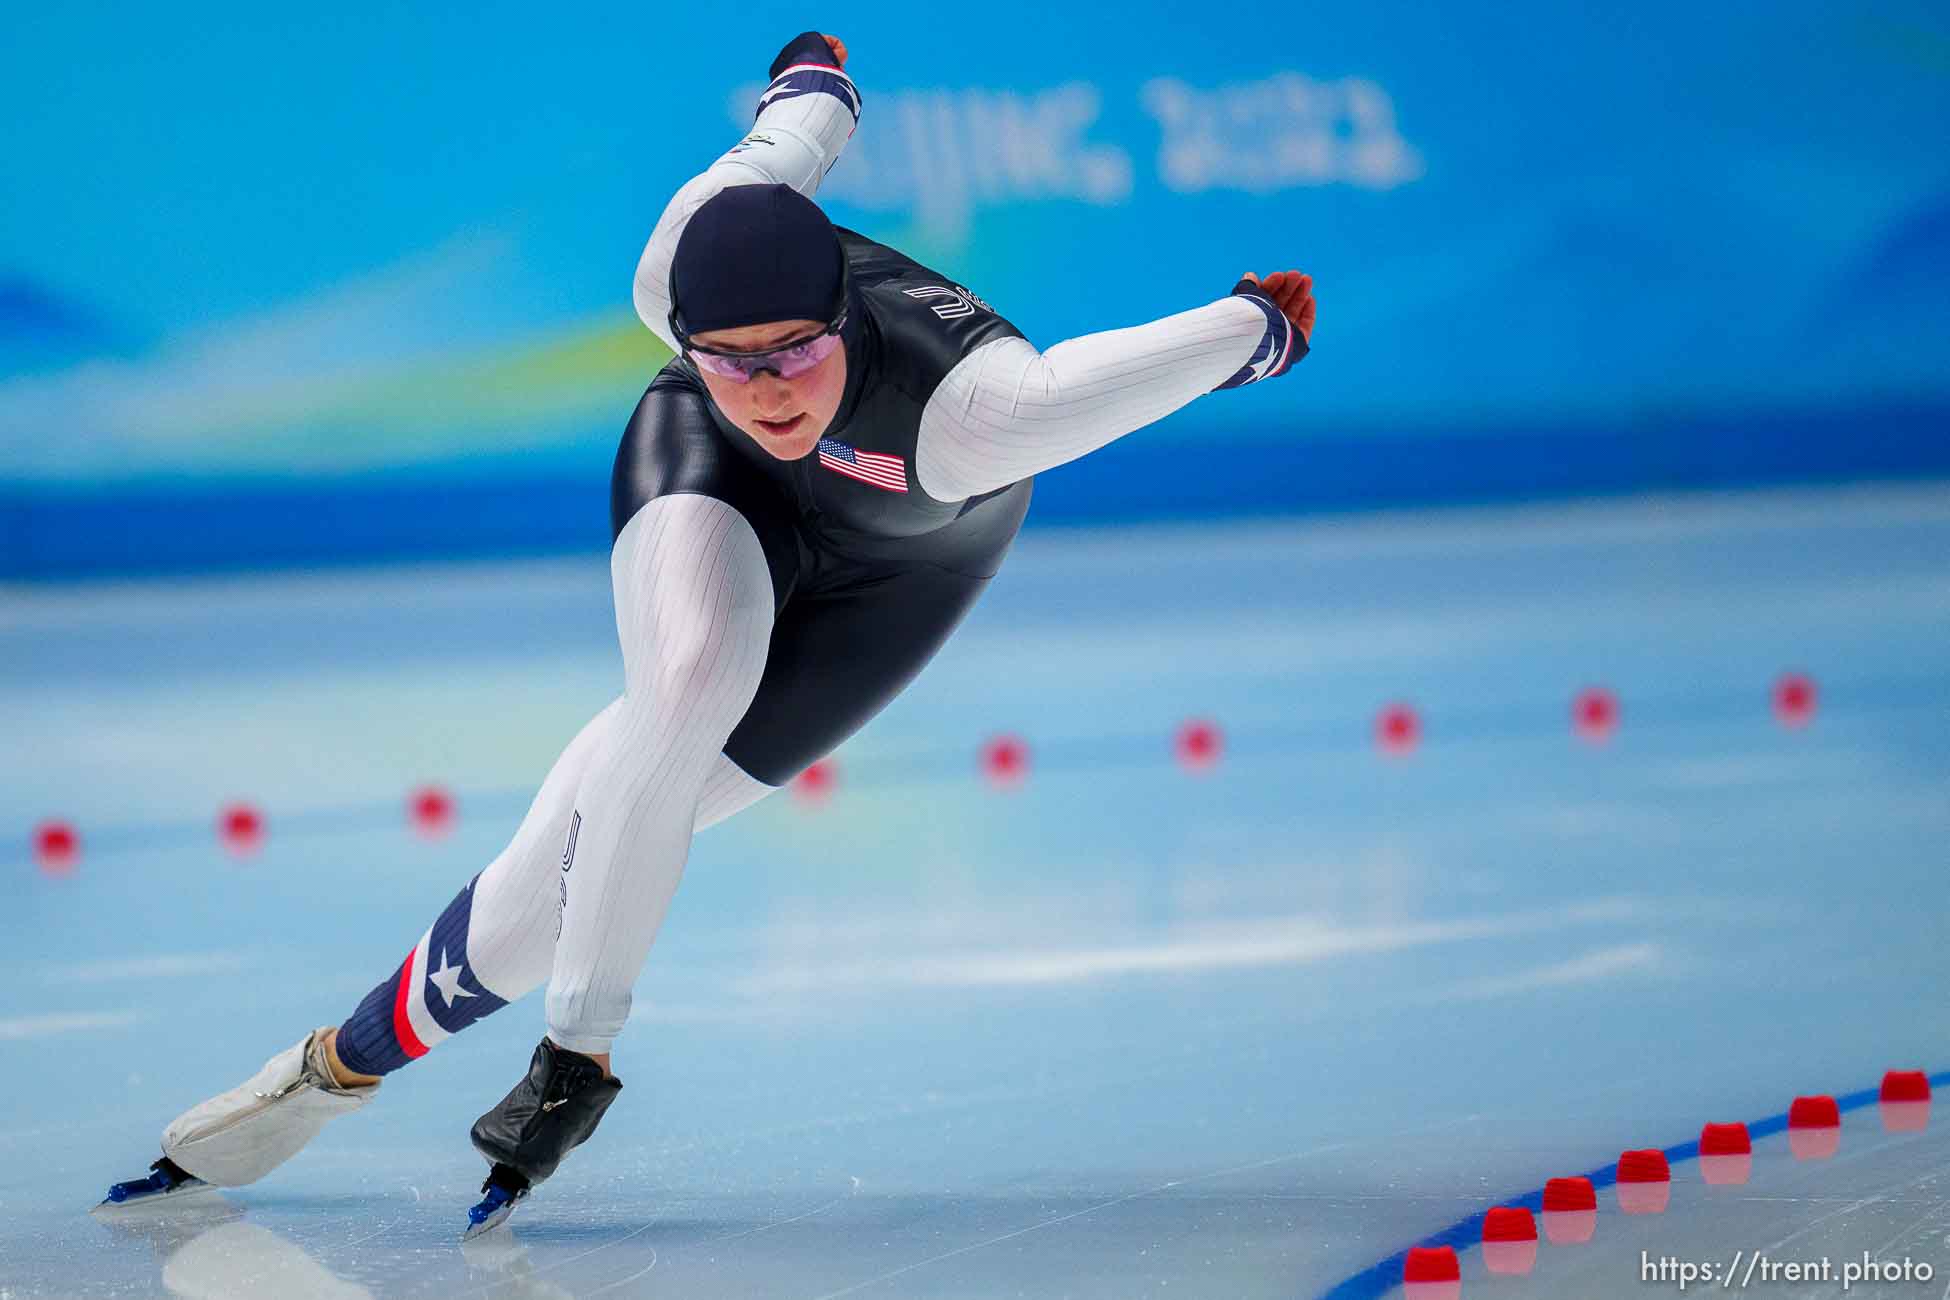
(877, 468)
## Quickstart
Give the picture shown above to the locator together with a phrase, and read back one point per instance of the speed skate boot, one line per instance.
(239, 1136)
(552, 1111)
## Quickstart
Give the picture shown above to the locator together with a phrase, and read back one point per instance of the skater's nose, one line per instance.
(772, 398)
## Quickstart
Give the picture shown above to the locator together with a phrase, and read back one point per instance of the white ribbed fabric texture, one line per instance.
(1007, 411)
(511, 929)
(694, 615)
(795, 142)
(703, 555)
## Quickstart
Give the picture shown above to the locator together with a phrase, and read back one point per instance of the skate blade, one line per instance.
(494, 1253)
(192, 1189)
(494, 1219)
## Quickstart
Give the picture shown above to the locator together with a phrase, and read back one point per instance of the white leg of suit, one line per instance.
(694, 615)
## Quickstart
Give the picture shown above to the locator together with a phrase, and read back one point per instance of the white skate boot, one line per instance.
(242, 1135)
(239, 1136)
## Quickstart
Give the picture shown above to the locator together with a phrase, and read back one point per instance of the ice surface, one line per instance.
(1123, 1030)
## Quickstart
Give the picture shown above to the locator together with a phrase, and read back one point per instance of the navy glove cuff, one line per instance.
(1279, 348)
(806, 47)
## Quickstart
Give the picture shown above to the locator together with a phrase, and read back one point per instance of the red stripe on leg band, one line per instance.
(409, 1042)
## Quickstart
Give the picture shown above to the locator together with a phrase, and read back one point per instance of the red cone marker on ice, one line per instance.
(1905, 1101)
(241, 828)
(1432, 1273)
(1794, 699)
(1644, 1182)
(431, 811)
(1726, 1154)
(1905, 1085)
(1814, 1128)
(815, 784)
(1005, 761)
(1509, 1241)
(1570, 1211)
(1594, 714)
(1569, 1194)
(1197, 745)
(56, 846)
(1397, 729)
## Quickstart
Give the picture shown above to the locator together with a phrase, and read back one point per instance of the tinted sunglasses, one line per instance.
(787, 361)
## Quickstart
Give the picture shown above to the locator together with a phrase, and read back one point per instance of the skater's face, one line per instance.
(784, 416)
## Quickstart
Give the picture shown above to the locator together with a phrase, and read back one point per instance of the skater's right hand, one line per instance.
(810, 47)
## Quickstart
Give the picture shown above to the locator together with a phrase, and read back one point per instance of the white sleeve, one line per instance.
(805, 118)
(1007, 411)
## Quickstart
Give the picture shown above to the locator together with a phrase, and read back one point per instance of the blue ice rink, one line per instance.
(1124, 1030)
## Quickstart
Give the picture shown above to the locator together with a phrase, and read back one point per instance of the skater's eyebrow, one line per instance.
(774, 334)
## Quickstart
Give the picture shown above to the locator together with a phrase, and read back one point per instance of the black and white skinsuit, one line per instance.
(767, 609)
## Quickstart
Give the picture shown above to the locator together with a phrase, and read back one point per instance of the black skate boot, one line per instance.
(549, 1113)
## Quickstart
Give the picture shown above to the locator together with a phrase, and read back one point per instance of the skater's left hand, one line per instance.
(1292, 293)
(810, 47)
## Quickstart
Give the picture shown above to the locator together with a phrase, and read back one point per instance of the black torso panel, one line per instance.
(854, 501)
(868, 581)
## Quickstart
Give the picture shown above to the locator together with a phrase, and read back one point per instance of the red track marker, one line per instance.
(431, 811)
(241, 828)
(1644, 1182)
(1570, 1211)
(56, 846)
(1905, 1101)
(1647, 1166)
(1509, 1223)
(1197, 745)
(1431, 1264)
(1905, 1085)
(815, 784)
(1814, 1112)
(1398, 729)
(1569, 1194)
(1794, 699)
(1726, 1154)
(1814, 1128)
(1005, 761)
(1725, 1140)
(1509, 1241)
(1430, 1272)
(1594, 714)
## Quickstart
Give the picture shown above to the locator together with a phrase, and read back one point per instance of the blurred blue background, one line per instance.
(347, 289)
(352, 283)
